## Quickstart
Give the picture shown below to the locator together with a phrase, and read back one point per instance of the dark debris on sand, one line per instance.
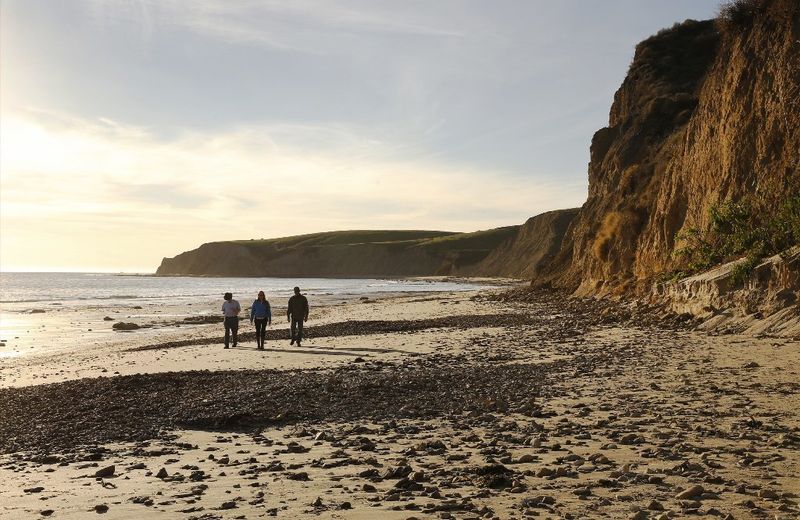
(366, 327)
(61, 416)
(593, 311)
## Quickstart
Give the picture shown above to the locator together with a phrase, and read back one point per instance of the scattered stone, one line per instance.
(106, 472)
(692, 492)
(121, 325)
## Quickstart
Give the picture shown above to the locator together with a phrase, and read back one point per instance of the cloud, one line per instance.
(307, 26)
(101, 179)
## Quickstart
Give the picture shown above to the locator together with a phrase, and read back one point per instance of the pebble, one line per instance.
(106, 472)
(692, 492)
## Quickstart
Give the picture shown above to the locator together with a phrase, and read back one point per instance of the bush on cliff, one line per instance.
(739, 14)
(749, 227)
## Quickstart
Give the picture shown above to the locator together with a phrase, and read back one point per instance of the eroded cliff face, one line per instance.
(703, 116)
(535, 245)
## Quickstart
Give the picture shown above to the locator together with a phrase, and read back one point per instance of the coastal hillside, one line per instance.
(699, 162)
(342, 254)
(510, 252)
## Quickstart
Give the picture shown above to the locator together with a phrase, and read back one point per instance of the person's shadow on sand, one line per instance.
(318, 351)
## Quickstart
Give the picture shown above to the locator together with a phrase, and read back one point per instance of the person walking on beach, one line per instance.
(261, 313)
(297, 314)
(231, 310)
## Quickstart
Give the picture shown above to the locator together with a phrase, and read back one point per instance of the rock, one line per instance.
(228, 505)
(526, 458)
(101, 509)
(545, 472)
(121, 325)
(37, 489)
(46, 512)
(630, 438)
(345, 505)
(692, 492)
(767, 493)
(655, 505)
(582, 491)
(397, 472)
(162, 473)
(106, 472)
(641, 515)
(108, 318)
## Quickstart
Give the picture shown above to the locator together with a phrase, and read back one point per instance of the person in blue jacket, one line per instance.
(261, 314)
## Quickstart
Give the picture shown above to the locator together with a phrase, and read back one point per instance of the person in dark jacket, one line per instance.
(297, 314)
(261, 314)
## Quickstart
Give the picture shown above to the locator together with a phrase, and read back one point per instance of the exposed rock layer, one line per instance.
(767, 303)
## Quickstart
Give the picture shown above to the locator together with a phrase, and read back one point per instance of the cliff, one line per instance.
(709, 112)
(533, 246)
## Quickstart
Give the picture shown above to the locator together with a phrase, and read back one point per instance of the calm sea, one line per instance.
(24, 290)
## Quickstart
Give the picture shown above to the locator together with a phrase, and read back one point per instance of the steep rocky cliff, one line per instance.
(708, 112)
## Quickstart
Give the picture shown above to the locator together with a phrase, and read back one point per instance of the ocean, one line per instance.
(43, 312)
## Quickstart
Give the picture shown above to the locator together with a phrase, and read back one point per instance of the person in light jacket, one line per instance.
(231, 310)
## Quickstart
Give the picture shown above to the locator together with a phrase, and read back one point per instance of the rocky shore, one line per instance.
(550, 408)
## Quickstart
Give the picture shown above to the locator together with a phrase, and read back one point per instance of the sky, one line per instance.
(132, 130)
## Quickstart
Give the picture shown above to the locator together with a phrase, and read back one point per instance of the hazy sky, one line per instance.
(133, 130)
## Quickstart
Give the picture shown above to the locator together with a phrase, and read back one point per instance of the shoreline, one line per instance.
(40, 326)
(572, 409)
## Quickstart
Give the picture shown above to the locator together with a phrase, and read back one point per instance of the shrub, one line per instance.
(739, 14)
(747, 227)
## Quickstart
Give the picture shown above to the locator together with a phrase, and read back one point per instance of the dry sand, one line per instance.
(562, 411)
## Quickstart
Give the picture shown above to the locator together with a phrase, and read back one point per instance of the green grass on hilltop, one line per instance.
(331, 238)
(433, 241)
(477, 240)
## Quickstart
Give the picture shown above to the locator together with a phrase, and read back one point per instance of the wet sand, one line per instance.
(445, 406)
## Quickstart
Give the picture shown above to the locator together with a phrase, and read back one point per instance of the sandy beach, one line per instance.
(453, 405)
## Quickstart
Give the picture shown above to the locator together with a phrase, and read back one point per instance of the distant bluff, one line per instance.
(709, 113)
(512, 251)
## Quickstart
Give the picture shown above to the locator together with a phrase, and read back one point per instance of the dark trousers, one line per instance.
(297, 329)
(231, 328)
(261, 331)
